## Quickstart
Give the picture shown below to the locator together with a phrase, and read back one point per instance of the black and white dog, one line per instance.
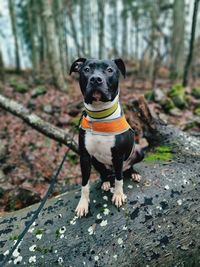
(106, 140)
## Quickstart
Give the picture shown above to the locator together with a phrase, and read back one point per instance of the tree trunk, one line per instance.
(52, 45)
(11, 5)
(193, 30)
(88, 28)
(35, 55)
(114, 28)
(82, 21)
(2, 73)
(101, 17)
(177, 45)
(60, 19)
(124, 43)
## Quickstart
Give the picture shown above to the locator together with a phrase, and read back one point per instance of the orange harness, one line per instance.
(105, 127)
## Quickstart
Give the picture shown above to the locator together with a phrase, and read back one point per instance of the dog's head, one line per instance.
(98, 78)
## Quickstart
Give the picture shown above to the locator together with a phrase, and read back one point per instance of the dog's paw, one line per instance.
(136, 177)
(118, 199)
(105, 186)
(82, 208)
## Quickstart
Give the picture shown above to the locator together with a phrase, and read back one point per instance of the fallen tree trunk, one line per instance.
(158, 226)
(37, 123)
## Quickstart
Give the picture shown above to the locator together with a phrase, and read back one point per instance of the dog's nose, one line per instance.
(96, 79)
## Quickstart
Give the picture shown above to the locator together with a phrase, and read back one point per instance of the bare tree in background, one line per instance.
(101, 15)
(11, 5)
(177, 46)
(193, 30)
(52, 42)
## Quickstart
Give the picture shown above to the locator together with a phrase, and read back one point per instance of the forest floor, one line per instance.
(28, 158)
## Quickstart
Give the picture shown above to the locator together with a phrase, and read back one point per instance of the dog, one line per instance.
(106, 140)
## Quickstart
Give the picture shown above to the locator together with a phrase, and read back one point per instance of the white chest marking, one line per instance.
(99, 146)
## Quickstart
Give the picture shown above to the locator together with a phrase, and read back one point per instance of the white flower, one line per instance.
(115, 257)
(167, 187)
(106, 211)
(105, 198)
(130, 186)
(32, 248)
(32, 259)
(104, 223)
(124, 227)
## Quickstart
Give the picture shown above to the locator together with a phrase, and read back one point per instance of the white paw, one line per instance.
(82, 208)
(105, 186)
(118, 199)
(136, 177)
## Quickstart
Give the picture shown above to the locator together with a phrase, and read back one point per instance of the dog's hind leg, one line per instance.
(104, 174)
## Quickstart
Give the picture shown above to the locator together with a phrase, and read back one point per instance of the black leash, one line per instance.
(36, 213)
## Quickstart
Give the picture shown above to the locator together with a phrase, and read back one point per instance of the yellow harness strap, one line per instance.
(102, 113)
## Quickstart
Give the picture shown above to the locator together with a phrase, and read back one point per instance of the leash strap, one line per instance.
(36, 213)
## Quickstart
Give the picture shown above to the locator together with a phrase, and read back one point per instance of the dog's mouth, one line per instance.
(96, 96)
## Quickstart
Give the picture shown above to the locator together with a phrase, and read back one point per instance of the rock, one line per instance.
(196, 92)
(40, 90)
(177, 94)
(158, 95)
(176, 112)
(48, 109)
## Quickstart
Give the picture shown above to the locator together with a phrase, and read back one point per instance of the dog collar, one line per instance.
(101, 114)
(105, 127)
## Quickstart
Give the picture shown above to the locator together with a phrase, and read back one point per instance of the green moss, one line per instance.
(72, 158)
(39, 231)
(43, 250)
(196, 92)
(57, 233)
(149, 95)
(177, 94)
(40, 90)
(167, 104)
(163, 153)
(19, 86)
(197, 111)
(15, 237)
(124, 107)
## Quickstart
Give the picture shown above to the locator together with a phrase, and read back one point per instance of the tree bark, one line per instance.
(124, 16)
(2, 73)
(101, 16)
(177, 45)
(52, 45)
(114, 27)
(69, 8)
(37, 123)
(14, 31)
(193, 30)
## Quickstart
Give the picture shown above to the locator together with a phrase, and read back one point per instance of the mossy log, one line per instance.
(158, 225)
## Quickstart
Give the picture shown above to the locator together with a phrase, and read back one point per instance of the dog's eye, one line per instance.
(87, 69)
(110, 70)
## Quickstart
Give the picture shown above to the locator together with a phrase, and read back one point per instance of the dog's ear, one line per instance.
(121, 66)
(76, 65)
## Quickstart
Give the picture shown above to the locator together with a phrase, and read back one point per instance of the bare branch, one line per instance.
(37, 123)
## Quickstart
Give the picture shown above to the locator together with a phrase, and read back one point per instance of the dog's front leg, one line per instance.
(118, 195)
(82, 208)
